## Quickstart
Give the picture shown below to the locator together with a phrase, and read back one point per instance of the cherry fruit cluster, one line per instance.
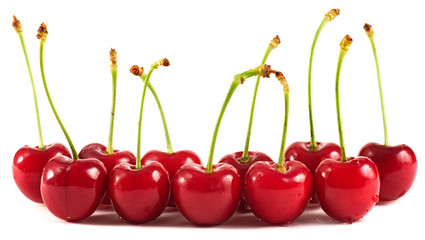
(73, 185)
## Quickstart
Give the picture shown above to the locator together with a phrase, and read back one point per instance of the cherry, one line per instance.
(171, 160)
(396, 164)
(107, 155)
(278, 193)
(139, 193)
(29, 162)
(71, 188)
(348, 188)
(312, 153)
(243, 160)
(210, 195)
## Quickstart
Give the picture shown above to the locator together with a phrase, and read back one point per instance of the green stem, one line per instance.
(138, 159)
(338, 111)
(74, 152)
(245, 157)
(40, 136)
(164, 122)
(238, 79)
(313, 144)
(281, 159)
(110, 149)
(381, 94)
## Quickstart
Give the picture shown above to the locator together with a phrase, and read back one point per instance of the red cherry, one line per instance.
(98, 151)
(347, 191)
(242, 167)
(171, 162)
(278, 197)
(397, 168)
(139, 196)
(207, 198)
(73, 189)
(301, 151)
(28, 165)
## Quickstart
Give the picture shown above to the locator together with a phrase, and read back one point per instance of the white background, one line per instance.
(208, 43)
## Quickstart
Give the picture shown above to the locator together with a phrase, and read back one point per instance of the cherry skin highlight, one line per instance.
(73, 189)
(139, 195)
(98, 151)
(28, 165)
(278, 197)
(235, 159)
(301, 151)
(397, 167)
(347, 191)
(207, 198)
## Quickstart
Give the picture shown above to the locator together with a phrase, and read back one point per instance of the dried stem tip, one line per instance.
(42, 32)
(346, 42)
(265, 70)
(368, 29)
(163, 62)
(275, 42)
(17, 24)
(136, 70)
(332, 14)
(282, 80)
(113, 56)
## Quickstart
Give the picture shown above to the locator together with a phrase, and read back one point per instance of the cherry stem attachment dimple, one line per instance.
(42, 36)
(369, 31)
(113, 57)
(345, 44)
(262, 70)
(328, 17)
(18, 27)
(272, 45)
(281, 161)
(163, 62)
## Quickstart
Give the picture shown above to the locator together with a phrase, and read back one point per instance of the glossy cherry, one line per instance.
(397, 167)
(347, 191)
(73, 189)
(171, 162)
(397, 164)
(301, 151)
(28, 165)
(235, 159)
(207, 198)
(139, 195)
(278, 197)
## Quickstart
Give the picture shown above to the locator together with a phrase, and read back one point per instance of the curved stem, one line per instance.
(281, 159)
(138, 159)
(338, 111)
(40, 136)
(109, 148)
(161, 111)
(74, 152)
(245, 157)
(313, 144)
(381, 94)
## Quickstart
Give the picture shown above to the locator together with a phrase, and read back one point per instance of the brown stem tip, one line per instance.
(368, 29)
(42, 32)
(17, 24)
(332, 14)
(113, 56)
(136, 70)
(275, 42)
(265, 70)
(346, 42)
(282, 80)
(163, 62)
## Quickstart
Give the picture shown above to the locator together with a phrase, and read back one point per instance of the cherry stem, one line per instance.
(164, 122)
(281, 160)
(381, 94)
(313, 144)
(71, 145)
(273, 44)
(344, 48)
(237, 80)
(40, 136)
(110, 149)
